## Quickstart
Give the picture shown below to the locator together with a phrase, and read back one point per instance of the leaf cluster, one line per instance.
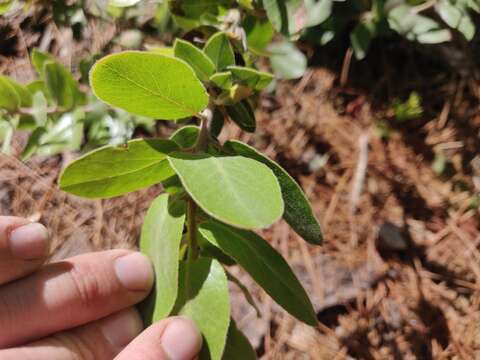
(217, 195)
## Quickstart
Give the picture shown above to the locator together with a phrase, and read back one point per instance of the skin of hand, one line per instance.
(81, 308)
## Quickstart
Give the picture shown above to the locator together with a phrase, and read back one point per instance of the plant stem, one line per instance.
(192, 231)
(204, 135)
(192, 244)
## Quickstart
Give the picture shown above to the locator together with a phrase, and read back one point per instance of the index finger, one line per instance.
(23, 247)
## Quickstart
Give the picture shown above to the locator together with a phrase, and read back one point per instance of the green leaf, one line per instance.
(361, 37)
(416, 27)
(200, 63)
(149, 84)
(186, 137)
(456, 16)
(33, 143)
(160, 241)
(219, 50)
(255, 79)
(6, 5)
(65, 133)
(123, 3)
(117, 170)
(9, 98)
(166, 51)
(24, 96)
(298, 213)
(318, 11)
(259, 32)
(61, 85)
(287, 61)
(39, 59)
(265, 265)
(233, 189)
(218, 120)
(284, 15)
(222, 79)
(203, 297)
(238, 347)
(242, 114)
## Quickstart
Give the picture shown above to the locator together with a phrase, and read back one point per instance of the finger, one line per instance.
(99, 340)
(176, 338)
(67, 294)
(23, 247)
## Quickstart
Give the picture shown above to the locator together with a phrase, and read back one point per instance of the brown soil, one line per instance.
(398, 276)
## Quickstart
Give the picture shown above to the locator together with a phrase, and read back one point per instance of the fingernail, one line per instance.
(120, 329)
(134, 271)
(181, 339)
(29, 242)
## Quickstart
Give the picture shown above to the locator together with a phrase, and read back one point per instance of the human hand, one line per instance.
(80, 308)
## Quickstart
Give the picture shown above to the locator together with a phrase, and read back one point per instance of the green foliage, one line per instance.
(203, 297)
(265, 265)
(233, 189)
(147, 84)
(161, 235)
(116, 170)
(298, 212)
(410, 109)
(216, 193)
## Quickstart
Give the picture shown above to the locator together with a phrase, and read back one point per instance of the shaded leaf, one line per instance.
(160, 240)
(219, 50)
(298, 212)
(242, 114)
(233, 189)
(117, 170)
(9, 99)
(287, 61)
(266, 266)
(203, 297)
(148, 84)
(283, 15)
(222, 79)
(61, 85)
(186, 136)
(255, 79)
(200, 63)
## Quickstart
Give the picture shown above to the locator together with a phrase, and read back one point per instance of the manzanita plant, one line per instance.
(216, 194)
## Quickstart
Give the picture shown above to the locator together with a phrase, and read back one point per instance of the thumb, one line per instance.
(175, 338)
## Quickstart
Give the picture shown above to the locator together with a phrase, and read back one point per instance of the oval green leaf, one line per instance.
(186, 137)
(160, 241)
(117, 170)
(242, 114)
(193, 56)
(257, 80)
(222, 79)
(266, 266)
(219, 50)
(298, 212)
(24, 96)
(236, 190)
(203, 297)
(149, 84)
(287, 61)
(9, 98)
(61, 85)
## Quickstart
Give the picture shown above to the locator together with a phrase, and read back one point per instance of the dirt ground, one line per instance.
(398, 276)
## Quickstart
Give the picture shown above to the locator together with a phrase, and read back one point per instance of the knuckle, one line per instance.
(78, 348)
(86, 284)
